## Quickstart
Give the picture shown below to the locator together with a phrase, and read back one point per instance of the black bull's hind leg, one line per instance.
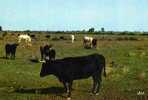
(13, 55)
(96, 83)
(97, 76)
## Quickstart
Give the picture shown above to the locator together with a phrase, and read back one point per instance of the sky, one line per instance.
(66, 15)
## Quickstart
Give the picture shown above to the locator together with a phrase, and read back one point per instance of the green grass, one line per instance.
(20, 80)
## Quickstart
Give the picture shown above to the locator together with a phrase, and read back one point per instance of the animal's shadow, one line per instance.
(51, 90)
(7, 58)
(3, 57)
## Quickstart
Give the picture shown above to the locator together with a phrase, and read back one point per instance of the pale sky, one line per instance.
(53, 15)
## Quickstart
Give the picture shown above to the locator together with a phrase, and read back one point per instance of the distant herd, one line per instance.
(67, 69)
(10, 48)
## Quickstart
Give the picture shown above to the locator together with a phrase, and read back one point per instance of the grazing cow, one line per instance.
(73, 68)
(47, 36)
(94, 43)
(32, 36)
(72, 38)
(47, 53)
(25, 37)
(52, 54)
(10, 50)
(61, 37)
(87, 42)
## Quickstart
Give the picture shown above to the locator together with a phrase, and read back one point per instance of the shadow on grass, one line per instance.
(34, 60)
(9, 58)
(51, 90)
(3, 57)
(58, 91)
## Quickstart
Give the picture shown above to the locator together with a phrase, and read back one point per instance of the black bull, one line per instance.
(47, 53)
(10, 50)
(74, 68)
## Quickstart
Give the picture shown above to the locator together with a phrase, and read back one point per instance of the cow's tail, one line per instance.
(104, 68)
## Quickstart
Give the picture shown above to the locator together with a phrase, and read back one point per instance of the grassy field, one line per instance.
(127, 77)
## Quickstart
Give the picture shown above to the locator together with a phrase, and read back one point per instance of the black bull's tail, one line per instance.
(104, 66)
(102, 63)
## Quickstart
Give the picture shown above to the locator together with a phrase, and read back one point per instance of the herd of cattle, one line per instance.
(10, 48)
(67, 69)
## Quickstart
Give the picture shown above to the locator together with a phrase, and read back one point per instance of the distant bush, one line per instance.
(27, 31)
(102, 29)
(91, 30)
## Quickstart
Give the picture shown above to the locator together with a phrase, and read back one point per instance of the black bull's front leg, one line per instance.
(68, 88)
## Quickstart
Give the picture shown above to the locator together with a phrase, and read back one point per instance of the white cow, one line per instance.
(87, 41)
(72, 38)
(88, 38)
(25, 37)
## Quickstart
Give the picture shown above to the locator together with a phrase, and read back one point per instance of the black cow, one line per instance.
(47, 36)
(94, 43)
(73, 68)
(33, 36)
(10, 50)
(47, 52)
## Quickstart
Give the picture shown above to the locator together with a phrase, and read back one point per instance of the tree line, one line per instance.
(89, 31)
